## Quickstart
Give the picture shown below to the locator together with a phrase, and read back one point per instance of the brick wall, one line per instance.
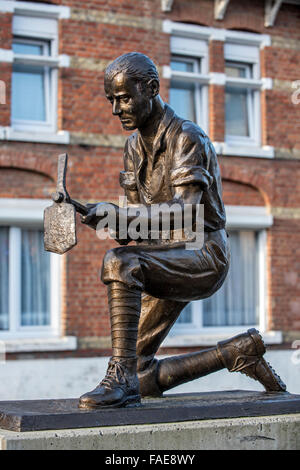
(97, 32)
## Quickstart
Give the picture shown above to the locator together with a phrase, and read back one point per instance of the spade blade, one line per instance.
(60, 227)
(60, 218)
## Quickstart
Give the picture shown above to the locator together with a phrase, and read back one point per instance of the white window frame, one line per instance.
(18, 214)
(40, 21)
(194, 50)
(250, 111)
(49, 89)
(43, 31)
(244, 40)
(35, 9)
(193, 334)
(249, 56)
(197, 306)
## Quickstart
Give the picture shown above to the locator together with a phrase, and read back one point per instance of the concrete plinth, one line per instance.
(281, 432)
(215, 420)
(42, 415)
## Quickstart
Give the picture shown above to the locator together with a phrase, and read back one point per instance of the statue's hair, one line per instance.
(136, 65)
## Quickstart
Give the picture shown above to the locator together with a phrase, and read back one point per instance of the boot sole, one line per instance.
(271, 382)
(257, 338)
(278, 384)
(129, 402)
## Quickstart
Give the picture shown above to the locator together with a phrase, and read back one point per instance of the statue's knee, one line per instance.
(122, 264)
(147, 374)
(143, 363)
(114, 258)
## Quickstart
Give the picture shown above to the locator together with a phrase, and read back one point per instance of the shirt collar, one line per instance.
(163, 125)
(166, 119)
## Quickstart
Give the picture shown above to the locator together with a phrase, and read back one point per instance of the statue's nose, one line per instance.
(116, 108)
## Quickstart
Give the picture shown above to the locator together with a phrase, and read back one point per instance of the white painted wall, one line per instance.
(70, 378)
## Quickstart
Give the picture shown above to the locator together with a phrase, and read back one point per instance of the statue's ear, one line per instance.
(153, 87)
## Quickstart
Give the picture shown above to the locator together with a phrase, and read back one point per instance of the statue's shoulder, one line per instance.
(190, 133)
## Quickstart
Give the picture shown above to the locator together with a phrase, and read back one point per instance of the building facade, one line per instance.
(233, 68)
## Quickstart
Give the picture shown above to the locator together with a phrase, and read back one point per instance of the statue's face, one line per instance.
(129, 102)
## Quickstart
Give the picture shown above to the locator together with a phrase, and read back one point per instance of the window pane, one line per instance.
(186, 315)
(182, 66)
(4, 258)
(182, 99)
(28, 93)
(35, 280)
(32, 49)
(238, 70)
(236, 303)
(236, 112)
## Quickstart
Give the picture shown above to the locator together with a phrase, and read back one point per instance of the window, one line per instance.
(238, 103)
(24, 262)
(183, 94)
(30, 84)
(4, 303)
(188, 89)
(241, 78)
(242, 95)
(225, 312)
(34, 76)
(225, 308)
(29, 276)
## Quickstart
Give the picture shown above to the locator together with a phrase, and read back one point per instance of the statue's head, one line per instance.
(131, 85)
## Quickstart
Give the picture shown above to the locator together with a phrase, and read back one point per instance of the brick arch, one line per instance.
(246, 176)
(24, 183)
(34, 163)
(238, 17)
(236, 193)
(244, 29)
(191, 20)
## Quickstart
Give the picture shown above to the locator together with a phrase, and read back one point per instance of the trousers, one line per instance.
(169, 276)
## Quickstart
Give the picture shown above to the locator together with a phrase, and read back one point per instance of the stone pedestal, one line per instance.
(215, 420)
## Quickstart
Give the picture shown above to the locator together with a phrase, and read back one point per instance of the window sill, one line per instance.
(211, 339)
(65, 343)
(24, 8)
(60, 137)
(242, 150)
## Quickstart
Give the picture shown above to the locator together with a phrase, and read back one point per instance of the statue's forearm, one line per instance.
(171, 213)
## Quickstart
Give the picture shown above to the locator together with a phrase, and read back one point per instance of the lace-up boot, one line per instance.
(120, 386)
(243, 353)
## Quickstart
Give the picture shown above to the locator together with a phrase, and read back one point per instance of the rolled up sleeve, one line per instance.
(191, 175)
(127, 180)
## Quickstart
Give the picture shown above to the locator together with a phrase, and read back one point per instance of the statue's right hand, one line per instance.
(96, 212)
(91, 216)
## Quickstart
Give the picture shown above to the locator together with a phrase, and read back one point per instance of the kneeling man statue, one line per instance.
(171, 161)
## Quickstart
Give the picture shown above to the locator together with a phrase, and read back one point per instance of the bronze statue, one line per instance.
(166, 160)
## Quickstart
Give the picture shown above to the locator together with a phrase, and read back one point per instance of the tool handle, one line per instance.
(59, 197)
(61, 194)
(83, 210)
(61, 175)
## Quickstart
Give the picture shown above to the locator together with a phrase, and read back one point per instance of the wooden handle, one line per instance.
(61, 177)
(61, 194)
(83, 210)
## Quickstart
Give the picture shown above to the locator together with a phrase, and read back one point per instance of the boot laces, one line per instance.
(115, 375)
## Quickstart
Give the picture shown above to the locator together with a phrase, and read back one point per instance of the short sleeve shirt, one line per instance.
(182, 155)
